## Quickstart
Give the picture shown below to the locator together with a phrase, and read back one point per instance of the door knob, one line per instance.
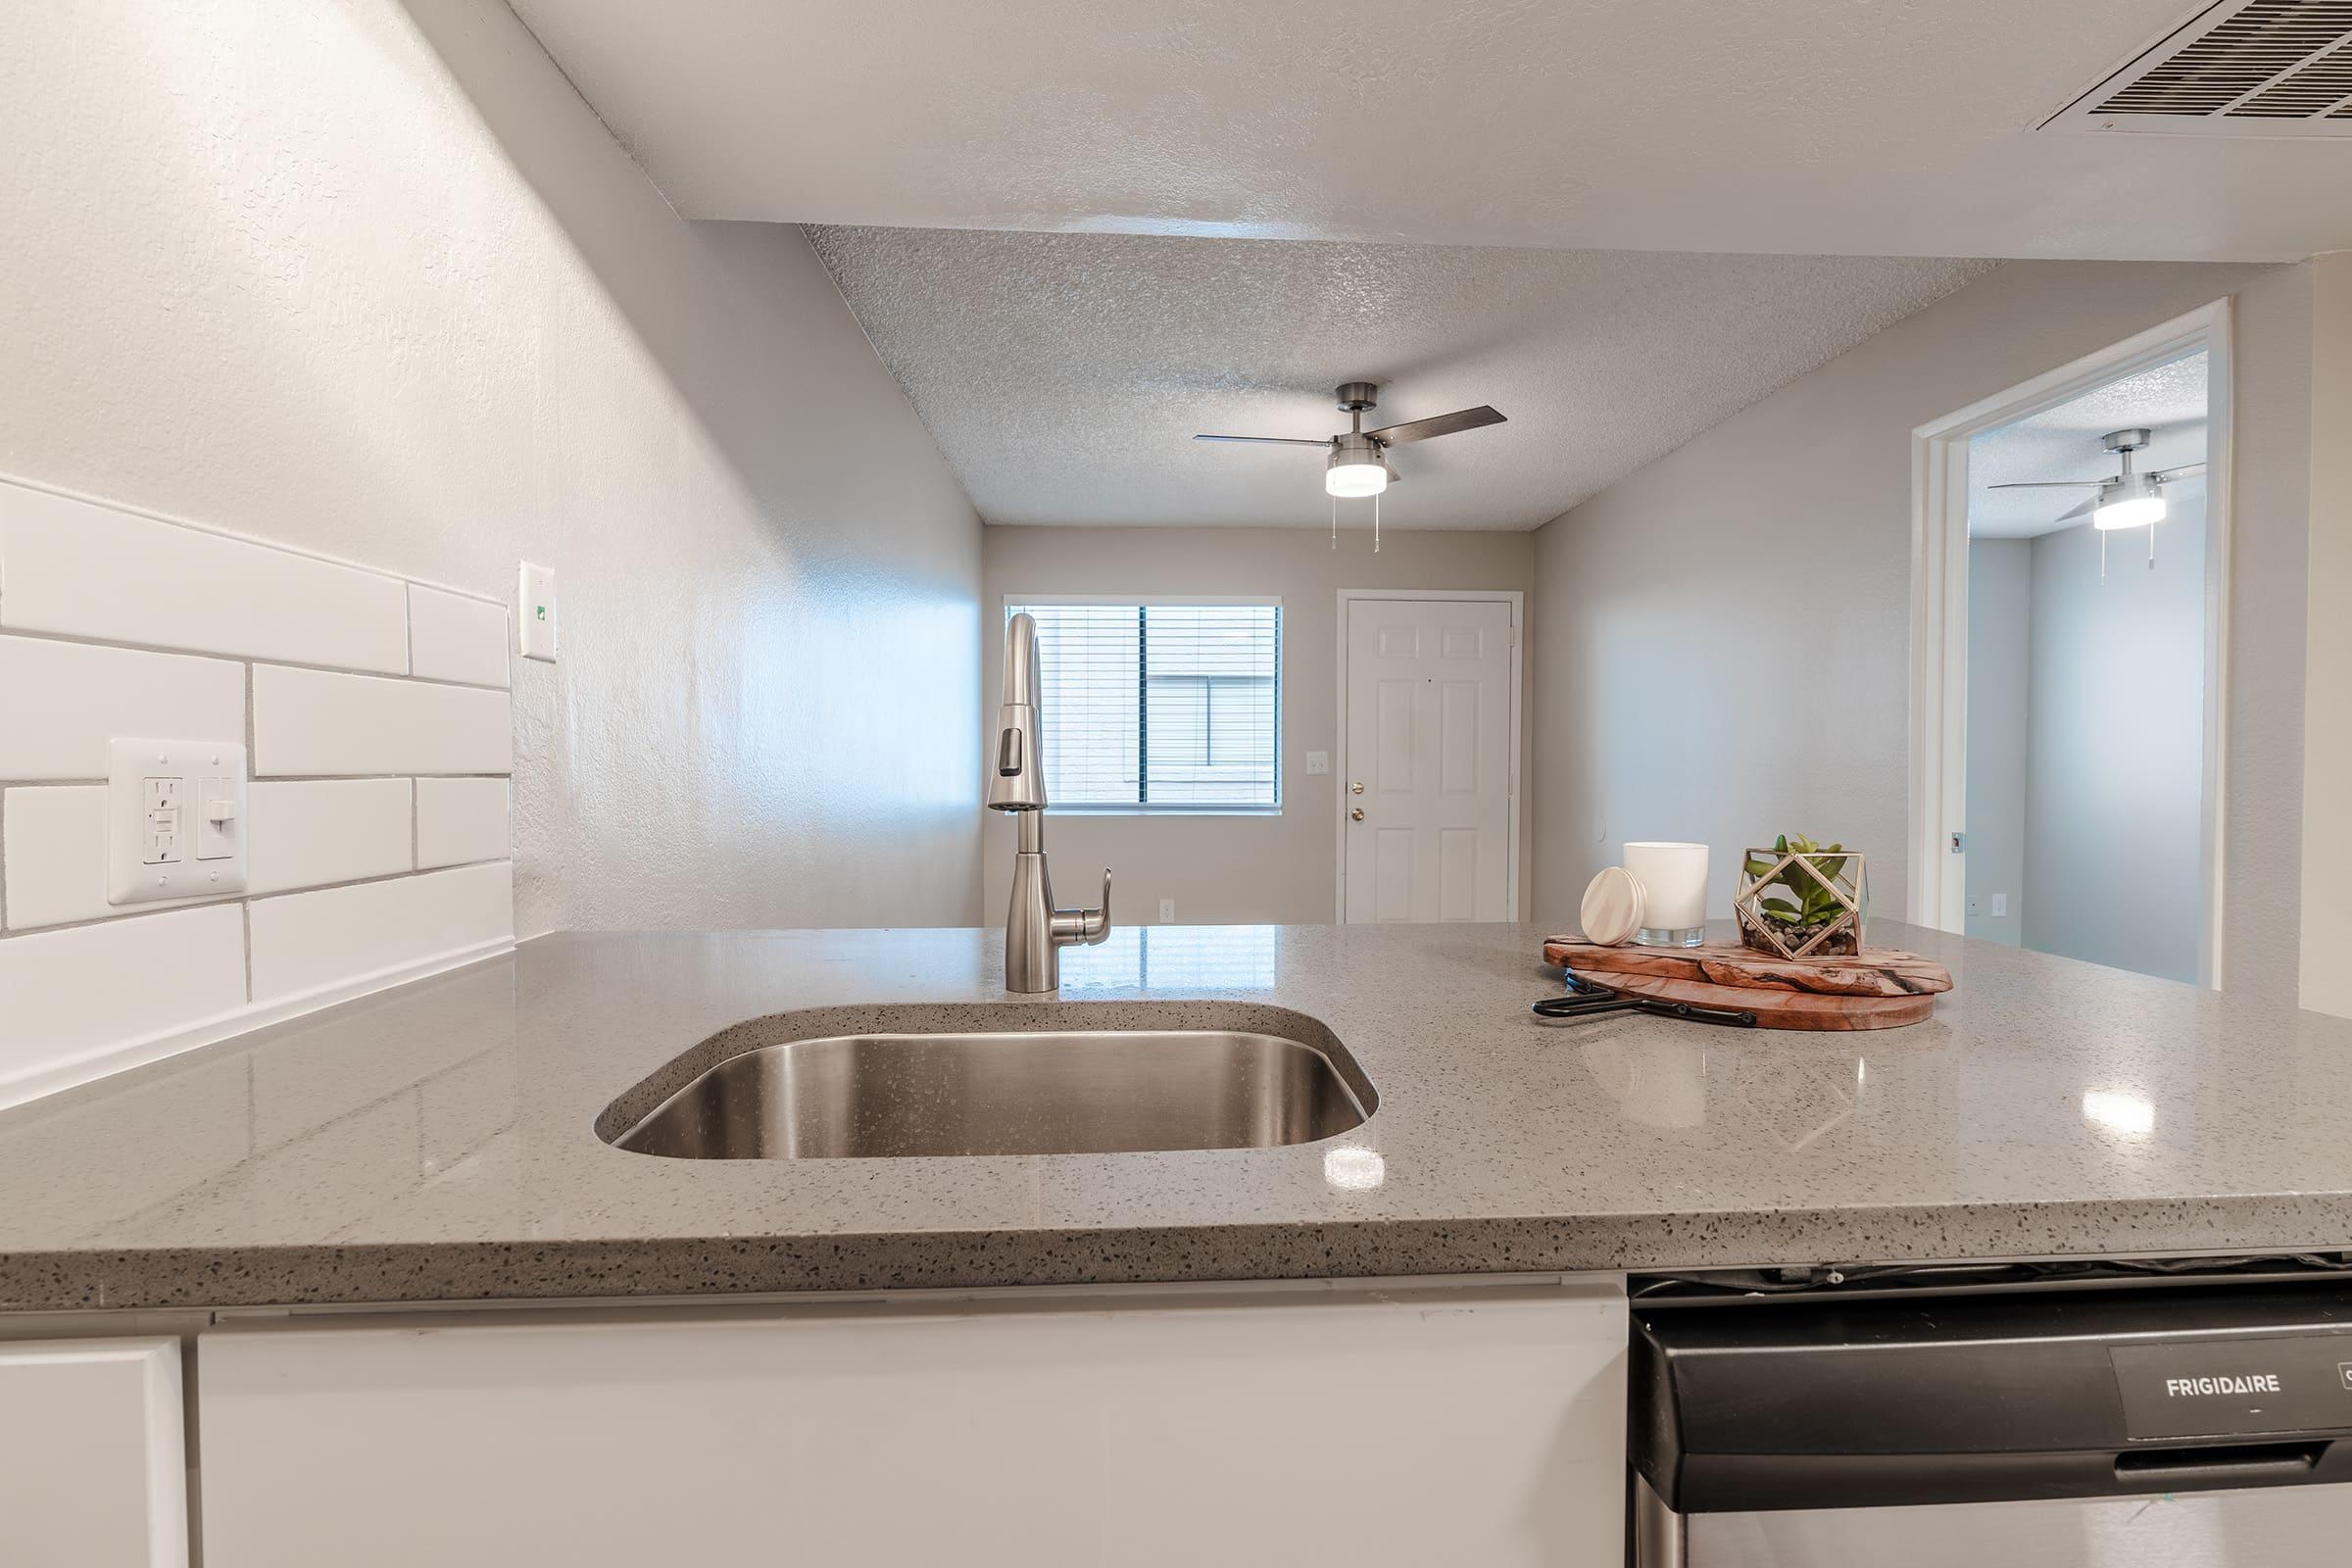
(1356, 788)
(1357, 816)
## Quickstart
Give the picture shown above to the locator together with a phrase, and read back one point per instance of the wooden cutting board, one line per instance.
(1880, 989)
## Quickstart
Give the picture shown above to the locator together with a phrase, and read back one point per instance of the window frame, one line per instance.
(1147, 808)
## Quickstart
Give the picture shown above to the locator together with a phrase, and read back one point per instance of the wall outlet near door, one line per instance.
(175, 823)
(1167, 912)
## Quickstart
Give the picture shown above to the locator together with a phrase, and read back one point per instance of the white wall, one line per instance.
(2115, 763)
(1672, 706)
(2000, 640)
(373, 281)
(1246, 869)
(2327, 691)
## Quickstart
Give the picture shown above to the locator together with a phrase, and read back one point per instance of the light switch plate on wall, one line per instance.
(535, 611)
(176, 825)
(1318, 761)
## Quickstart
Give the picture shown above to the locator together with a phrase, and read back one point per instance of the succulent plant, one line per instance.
(1811, 904)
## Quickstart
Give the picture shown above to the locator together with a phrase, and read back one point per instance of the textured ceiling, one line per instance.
(1064, 374)
(2063, 443)
(1896, 127)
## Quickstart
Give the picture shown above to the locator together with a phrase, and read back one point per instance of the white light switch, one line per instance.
(2000, 904)
(1318, 761)
(176, 819)
(535, 611)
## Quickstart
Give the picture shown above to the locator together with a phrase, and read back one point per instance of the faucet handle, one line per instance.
(1089, 926)
(1098, 921)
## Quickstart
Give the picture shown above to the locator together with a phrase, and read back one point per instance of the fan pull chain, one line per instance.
(2102, 554)
(1335, 522)
(1376, 524)
(2151, 547)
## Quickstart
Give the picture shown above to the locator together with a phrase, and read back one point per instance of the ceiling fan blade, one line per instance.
(1440, 424)
(1266, 440)
(2082, 511)
(2047, 485)
(2186, 471)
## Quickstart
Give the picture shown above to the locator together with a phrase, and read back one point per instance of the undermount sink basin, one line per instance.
(883, 1092)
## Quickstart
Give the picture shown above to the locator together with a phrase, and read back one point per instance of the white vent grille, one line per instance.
(2247, 68)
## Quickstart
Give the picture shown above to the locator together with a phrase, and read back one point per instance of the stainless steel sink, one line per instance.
(1069, 1091)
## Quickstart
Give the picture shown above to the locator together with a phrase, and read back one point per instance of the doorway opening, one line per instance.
(2068, 634)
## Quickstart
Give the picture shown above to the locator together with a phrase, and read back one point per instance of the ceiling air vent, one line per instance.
(2245, 68)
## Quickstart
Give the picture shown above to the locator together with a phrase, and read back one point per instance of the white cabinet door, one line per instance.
(1429, 758)
(1372, 1428)
(93, 1468)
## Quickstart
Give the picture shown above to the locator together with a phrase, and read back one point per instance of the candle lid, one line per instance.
(1614, 904)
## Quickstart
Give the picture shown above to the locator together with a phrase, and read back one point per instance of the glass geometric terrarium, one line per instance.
(1801, 901)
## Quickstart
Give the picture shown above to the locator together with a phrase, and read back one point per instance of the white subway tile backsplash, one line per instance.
(346, 683)
(307, 721)
(59, 703)
(461, 819)
(452, 637)
(332, 830)
(75, 568)
(95, 988)
(304, 943)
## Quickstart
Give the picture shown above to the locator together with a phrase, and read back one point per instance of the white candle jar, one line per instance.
(1674, 879)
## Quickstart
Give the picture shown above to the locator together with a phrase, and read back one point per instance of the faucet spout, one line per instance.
(1035, 931)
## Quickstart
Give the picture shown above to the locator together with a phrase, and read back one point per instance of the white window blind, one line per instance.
(1161, 706)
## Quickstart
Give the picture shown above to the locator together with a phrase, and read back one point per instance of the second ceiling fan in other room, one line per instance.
(1358, 462)
(2127, 501)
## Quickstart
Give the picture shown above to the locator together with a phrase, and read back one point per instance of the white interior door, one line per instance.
(1428, 780)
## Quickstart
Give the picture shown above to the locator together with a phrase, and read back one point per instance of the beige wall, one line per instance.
(371, 280)
(2326, 980)
(1230, 869)
(1722, 639)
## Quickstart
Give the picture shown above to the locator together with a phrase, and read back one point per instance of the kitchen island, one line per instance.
(437, 1142)
(387, 1266)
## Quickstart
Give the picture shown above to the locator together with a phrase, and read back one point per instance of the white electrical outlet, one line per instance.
(535, 611)
(1167, 912)
(1318, 761)
(174, 819)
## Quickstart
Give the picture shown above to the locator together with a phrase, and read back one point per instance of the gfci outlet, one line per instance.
(175, 823)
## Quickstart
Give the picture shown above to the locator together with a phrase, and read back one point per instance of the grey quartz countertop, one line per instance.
(436, 1142)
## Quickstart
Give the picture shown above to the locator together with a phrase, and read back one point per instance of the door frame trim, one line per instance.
(1516, 599)
(1938, 806)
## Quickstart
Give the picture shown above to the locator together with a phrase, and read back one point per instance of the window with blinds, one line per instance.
(1160, 707)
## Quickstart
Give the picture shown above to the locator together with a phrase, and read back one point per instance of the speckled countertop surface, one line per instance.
(435, 1142)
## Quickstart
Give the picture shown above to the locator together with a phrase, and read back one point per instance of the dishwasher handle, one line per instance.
(2251, 1464)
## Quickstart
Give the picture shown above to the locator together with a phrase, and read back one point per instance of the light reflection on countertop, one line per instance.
(435, 1142)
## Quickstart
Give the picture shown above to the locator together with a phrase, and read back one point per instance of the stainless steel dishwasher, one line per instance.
(2103, 1419)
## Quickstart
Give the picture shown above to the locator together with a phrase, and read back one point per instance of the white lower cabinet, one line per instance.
(93, 1459)
(1474, 1426)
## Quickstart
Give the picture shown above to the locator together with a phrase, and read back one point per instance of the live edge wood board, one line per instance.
(1879, 988)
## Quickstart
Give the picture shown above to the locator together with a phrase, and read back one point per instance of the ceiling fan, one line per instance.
(1358, 464)
(2127, 501)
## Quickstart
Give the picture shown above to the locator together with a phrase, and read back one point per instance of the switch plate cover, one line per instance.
(535, 611)
(161, 841)
(1318, 761)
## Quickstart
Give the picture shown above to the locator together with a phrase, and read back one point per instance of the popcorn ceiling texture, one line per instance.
(1063, 375)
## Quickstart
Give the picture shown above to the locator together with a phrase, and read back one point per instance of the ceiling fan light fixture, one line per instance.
(1356, 468)
(2130, 502)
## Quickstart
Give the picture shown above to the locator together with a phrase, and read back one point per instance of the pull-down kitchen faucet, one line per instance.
(1035, 932)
